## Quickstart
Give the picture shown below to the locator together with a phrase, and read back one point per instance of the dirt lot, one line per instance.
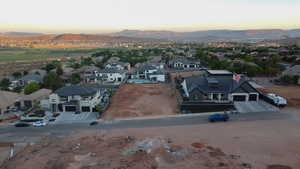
(184, 74)
(138, 100)
(292, 93)
(95, 151)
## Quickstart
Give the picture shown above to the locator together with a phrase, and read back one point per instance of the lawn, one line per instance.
(14, 54)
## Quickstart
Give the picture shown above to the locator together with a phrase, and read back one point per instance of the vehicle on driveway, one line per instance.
(218, 117)
(22, 125)
(277, 100)
(39, 124)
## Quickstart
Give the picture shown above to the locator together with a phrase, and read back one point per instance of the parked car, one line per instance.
(39, 124)
(93, 123)
(22, 125)
(218, 117)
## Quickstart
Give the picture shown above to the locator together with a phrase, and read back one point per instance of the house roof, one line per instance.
(205, 84)
(184, 61)
(111, 71)
(32, 77)
(7, 99)
(295, 70)
(219, 72)
(76, 90)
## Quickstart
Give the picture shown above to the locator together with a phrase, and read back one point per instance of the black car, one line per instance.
(22, 125)
(93, 123)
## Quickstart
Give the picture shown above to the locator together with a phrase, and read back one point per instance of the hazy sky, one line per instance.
(114, 15)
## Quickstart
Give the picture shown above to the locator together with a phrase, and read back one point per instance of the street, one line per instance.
(31, 134)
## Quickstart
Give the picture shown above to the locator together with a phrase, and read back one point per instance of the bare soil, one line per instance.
(93, 151)
(185, 74)
(139, 100)
(291, 93)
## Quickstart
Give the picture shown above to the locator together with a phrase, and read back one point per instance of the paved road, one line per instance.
(27, 134)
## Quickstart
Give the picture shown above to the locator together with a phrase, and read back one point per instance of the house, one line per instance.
(117, 65)
(105, 76)
(76, 98)
(28, 101)
(153, 72)
(29, 78)
(7, 101)
(292, 71)
(218, 86)
(182, 63)
(41, 72)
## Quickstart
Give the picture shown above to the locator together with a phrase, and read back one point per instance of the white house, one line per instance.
(150, 72)
(105, 76)
(183, 63)
(117, 65)
(76, 98)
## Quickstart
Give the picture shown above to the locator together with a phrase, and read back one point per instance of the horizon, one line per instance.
(107, 16)
(107, 33)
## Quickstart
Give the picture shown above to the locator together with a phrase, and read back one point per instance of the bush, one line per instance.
(31, 87)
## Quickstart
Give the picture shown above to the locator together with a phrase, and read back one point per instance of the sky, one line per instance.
(103, 16)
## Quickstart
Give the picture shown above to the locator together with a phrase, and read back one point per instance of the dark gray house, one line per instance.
(218, 86)
(216, 90)
(76, 98)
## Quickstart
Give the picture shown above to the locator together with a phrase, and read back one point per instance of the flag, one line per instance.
(236, 77)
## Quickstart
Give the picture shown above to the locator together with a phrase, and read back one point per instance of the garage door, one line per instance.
(85, 109)
(253, 97)
(240, 98)
(70, 108)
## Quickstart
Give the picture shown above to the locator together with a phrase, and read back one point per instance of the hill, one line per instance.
(214, 35)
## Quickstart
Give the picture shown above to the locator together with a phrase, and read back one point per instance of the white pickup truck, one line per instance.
(278, 100)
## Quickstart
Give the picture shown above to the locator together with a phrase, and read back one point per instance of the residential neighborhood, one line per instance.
(185, 84)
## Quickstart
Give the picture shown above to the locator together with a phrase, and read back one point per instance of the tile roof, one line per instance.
(76, 90)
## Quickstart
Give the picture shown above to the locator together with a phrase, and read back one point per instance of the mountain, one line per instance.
(20, 34)
(213, 35)
(71, 41)
(71, 37)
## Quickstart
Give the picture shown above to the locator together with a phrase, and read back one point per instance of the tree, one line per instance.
(87, 61)
(31, 87)
(59, 70)
(25, 72)
(17, 89)
(52, 81)
(17, 75)
(4, 84)
(49, 67)
(75, 78)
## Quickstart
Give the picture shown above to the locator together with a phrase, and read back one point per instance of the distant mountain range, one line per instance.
(132, 35)
(66, 37)
(214, 35)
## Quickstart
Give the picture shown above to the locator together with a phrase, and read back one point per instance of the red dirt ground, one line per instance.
(106, 152)
(138, 100)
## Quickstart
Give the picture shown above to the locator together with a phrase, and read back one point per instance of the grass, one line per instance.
(15, 54)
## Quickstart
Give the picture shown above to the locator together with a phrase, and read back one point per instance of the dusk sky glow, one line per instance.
(99, 16)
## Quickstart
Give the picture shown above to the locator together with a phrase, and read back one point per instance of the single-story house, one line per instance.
(28, 101)
(218, 86)
(183, 63)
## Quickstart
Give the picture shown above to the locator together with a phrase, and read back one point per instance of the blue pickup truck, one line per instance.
(218, 117)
